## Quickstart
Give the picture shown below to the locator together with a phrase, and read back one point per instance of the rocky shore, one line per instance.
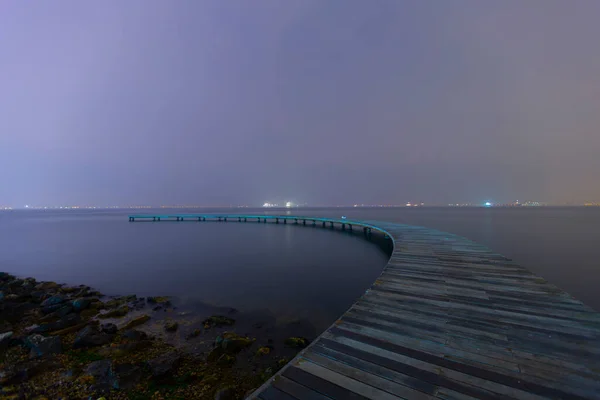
(65, 342)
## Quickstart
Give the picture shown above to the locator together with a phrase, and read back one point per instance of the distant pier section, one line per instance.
(447, 319)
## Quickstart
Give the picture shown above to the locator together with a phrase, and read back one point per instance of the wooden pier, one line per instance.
(447, 319)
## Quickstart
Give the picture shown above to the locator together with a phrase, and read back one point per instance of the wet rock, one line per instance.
(59, 313)
(109, 328)
(52, 308)
(117, 313)
(296, 342)
(171, 326)
(5, 339)
(137, 321)
(71, 329)
(263, 351)
(53, 300)
(41, 345)
(134, 334)
(232, 343)
(193, 334)
(104, 376)
(81, 304)
(66, 321)
(163, 366)
(161, 300)
(1, 295)
(226, 360)
(91, 336)
(89, 313)
(47, 286)
(226, 393)
(129, 375)
(218, 321)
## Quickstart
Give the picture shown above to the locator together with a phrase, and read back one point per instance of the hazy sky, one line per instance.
(242, 102)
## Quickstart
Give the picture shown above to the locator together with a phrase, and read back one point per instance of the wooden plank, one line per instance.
(297, 390)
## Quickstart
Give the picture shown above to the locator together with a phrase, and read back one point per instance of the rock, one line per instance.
(4, 276)
(134, 334)
(161, 300)
(81, 304)
(56, 299)
(263, 351)
(226, 360)
(129, 375)
(193, 334)
(163, 366)
(91, 336)
(1, 295)
(38, 295)
(66, 321)
(117, 313)
(5, 339)
(104, 376)
(47, 286)
(89, 313)
(226, 393)
(296, 342)
(233, 343)
(217, 320)
(137, 321)
(52, 308)
(41, 345)
(171, 326)
(59, 313)
(109, 328)
(68, 289)
(71, 329)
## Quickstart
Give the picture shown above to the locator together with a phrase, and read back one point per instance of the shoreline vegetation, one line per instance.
(72, 342)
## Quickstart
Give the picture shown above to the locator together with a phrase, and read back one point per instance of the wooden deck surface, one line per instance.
(450, 319)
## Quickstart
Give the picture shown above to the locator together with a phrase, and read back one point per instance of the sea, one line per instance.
(290, 272)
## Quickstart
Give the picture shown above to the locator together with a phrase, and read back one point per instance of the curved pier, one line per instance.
(447, 319)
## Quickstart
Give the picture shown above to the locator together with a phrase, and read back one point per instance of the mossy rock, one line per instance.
(142, 319)
(263, 351)
(217, 320)
(118, 313)
(171, 326)
(163, 300)
(296, 342)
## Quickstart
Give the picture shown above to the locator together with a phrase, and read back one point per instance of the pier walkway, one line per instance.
(447, 319)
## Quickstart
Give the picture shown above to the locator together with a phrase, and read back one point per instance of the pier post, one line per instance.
(343, 227)
(199, 218)
(153, 218)
(239, 219)
(245, 220)
(303, 222)
(276, 220)
(225, 219)
(331, 224)
(158, 218)
(314, 222)
(258, 219)
(285, 220)
(296, 219)
(323, 224)
(219, 218)
(203, 218)
(265, 220)
(350, 226)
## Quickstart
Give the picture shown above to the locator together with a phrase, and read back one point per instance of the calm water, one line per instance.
(292, 272)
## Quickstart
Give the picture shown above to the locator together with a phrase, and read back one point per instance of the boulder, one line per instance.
(42, 345)
(65, 322)
(104, 376)
(171, 326)
(129, 375)
(109, 328)
(47, 286)
(296, 342)
(5, 339)
(226, 393)
(233, 343)
(91, 336)
(134, 334)
(142, 319)
(52, 300)
(163, 366)
(81, 304)
(116, 313)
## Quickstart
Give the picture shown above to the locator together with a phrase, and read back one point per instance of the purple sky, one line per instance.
(325, 102)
